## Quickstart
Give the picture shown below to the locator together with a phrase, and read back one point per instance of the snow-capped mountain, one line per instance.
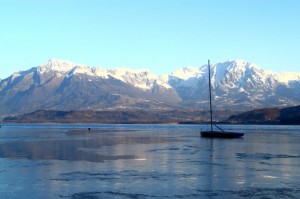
(63, 85)
(237, 83)
(143, 79)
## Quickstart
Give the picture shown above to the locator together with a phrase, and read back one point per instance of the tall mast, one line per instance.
(210, 108)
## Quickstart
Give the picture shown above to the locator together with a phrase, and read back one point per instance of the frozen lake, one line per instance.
(148, 161)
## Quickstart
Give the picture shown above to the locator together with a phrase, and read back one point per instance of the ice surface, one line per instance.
(147, 161)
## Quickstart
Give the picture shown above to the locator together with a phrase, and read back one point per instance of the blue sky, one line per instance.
(161, 35)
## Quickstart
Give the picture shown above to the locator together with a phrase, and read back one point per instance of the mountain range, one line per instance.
(63, 85)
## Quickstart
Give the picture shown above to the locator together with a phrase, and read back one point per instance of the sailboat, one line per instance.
(220, 133)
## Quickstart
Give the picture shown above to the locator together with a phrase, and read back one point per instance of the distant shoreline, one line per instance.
(133, 123)
(266, 116)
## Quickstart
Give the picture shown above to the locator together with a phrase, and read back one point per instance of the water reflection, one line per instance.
(164, 163)
(85, 149)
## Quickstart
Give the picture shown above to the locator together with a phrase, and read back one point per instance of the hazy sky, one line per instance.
(161, 35)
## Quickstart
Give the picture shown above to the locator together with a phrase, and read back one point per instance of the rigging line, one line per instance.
(210, 107)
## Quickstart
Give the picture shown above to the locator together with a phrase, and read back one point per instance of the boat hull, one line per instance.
(220, 134)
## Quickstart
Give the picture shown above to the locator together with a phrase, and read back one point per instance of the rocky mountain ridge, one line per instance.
(63, 85)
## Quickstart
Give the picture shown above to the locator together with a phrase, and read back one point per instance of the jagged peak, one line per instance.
(58, 65)
(238, 63)
(239, 66)
(142, 78)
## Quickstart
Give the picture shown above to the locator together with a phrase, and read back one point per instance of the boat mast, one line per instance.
(210, 108)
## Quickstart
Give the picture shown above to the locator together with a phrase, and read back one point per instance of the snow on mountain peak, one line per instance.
(140, 78)
(231, 72)
(187, 73)
(287, 77)
(240, 61)
(62, 66)
(240, 64)
(143, 79)
(56, 65)
(238, 69)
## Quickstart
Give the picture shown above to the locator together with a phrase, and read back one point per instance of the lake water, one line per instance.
(148, 161)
